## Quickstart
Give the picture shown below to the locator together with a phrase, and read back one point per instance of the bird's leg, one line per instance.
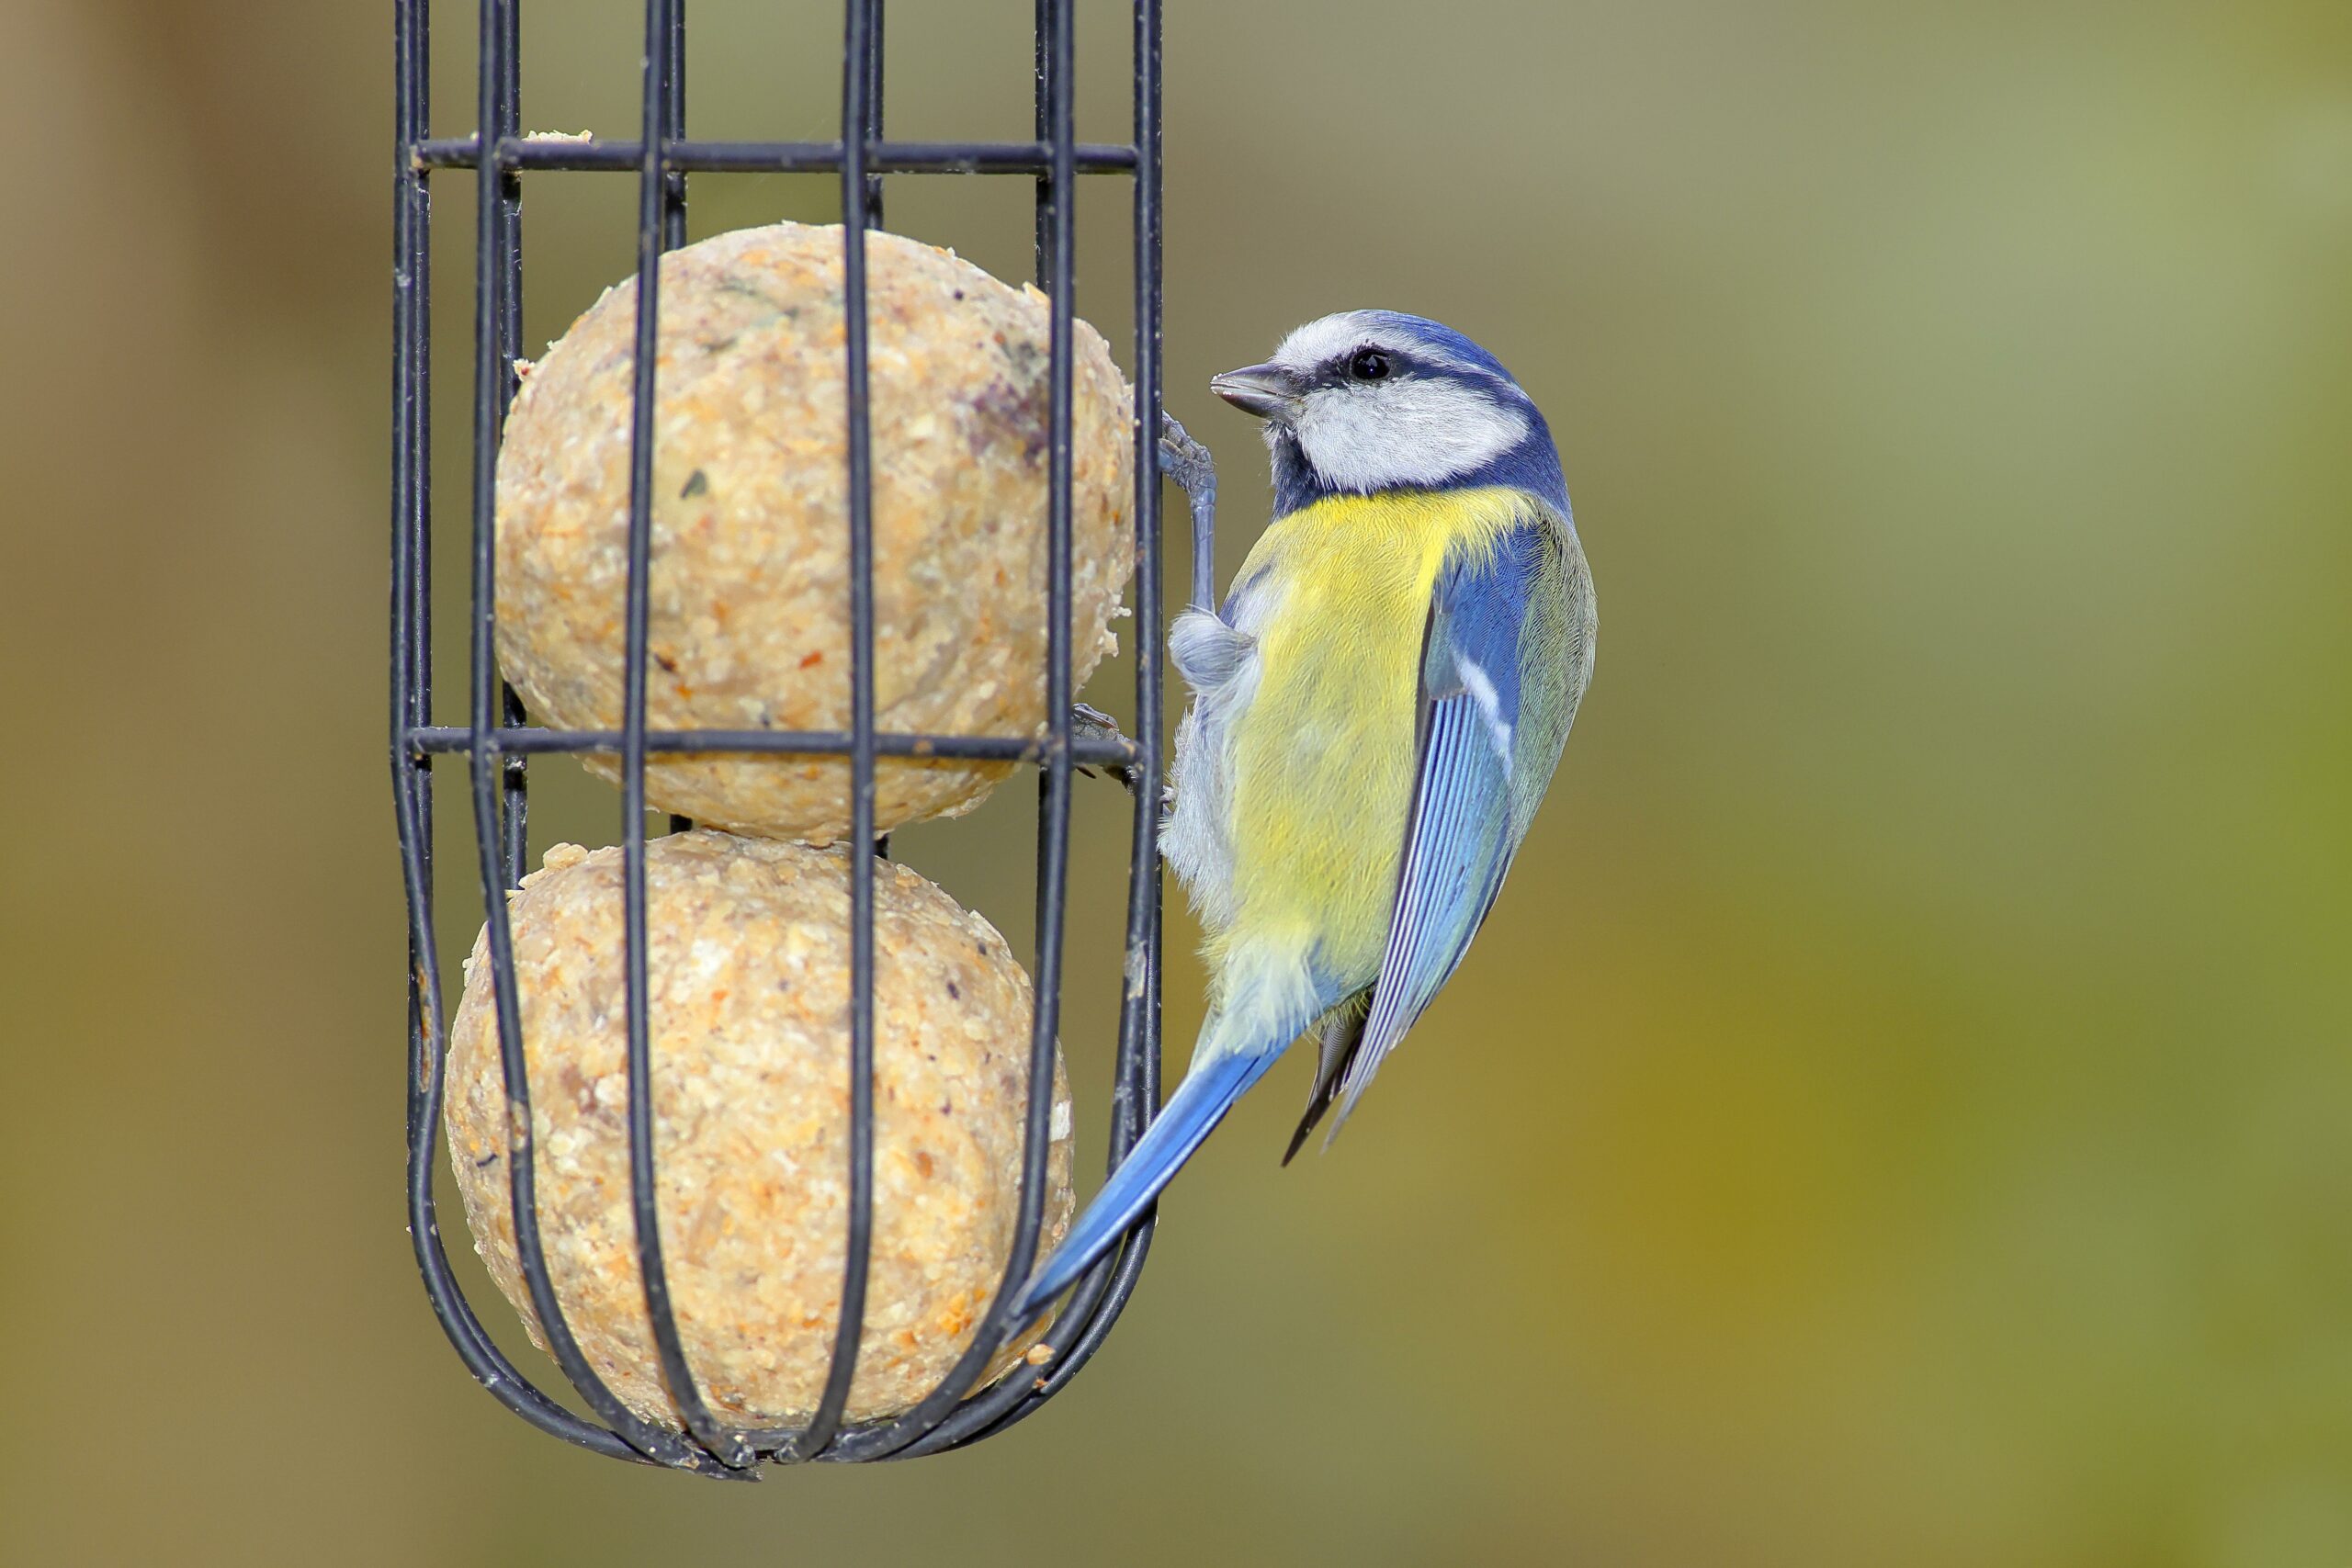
(1094, 724)
(1188, 463)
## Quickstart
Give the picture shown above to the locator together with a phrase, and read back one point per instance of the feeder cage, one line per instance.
(497, 743)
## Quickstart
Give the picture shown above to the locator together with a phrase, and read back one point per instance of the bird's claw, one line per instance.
(1089, 723)
(1092, 722)
(1184, 459)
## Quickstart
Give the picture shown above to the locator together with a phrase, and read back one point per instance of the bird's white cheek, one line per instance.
(1412, 432)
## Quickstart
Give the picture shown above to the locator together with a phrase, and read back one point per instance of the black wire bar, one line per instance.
(412, 662)
(558, 152)
(1103, 1293)
(497, 741)
(429, 739)
(656, 206)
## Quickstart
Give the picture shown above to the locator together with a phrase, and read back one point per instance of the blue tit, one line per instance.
(1377, 709)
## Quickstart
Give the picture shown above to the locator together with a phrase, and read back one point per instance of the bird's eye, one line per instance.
(1369, 364)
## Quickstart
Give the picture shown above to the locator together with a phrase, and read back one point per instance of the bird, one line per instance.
(1377, 708)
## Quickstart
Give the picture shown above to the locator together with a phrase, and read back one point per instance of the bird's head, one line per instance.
(1371, 400)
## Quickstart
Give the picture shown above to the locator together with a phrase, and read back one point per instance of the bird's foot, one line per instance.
(1187, 462)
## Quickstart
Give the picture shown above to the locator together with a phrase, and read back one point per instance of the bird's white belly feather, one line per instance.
(1220, 664)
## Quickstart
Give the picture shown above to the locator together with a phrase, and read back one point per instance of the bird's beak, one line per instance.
(1267, 390)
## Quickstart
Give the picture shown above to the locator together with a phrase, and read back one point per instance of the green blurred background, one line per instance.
(1897, 1113)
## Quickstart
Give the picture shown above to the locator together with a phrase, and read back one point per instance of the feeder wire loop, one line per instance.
(411, 669)
(657, 205)
(497, 741)
(498, 296)
(859, 68)
(1096, 1301)
(1056, 270)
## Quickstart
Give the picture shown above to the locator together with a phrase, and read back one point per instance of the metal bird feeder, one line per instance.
(496, 745)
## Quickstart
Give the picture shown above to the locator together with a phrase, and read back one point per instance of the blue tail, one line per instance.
(1200, 1103)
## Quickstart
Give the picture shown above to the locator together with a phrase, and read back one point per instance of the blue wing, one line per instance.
(1487, 665)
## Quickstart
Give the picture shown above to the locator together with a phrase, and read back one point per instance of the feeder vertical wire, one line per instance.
(1101, 1294)
(514, 768)
(491, 301)
(674, 188)
(872, 119)
(1057, 233)
(1095, 1303)
(673, 128)
(412, 777)
(937, 1421)
(729, 1446)
(858, 69)
(1135, 1100)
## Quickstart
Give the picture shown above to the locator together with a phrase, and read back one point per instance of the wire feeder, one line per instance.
(497, 743)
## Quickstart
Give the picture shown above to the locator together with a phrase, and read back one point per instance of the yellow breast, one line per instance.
(1336, 596)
